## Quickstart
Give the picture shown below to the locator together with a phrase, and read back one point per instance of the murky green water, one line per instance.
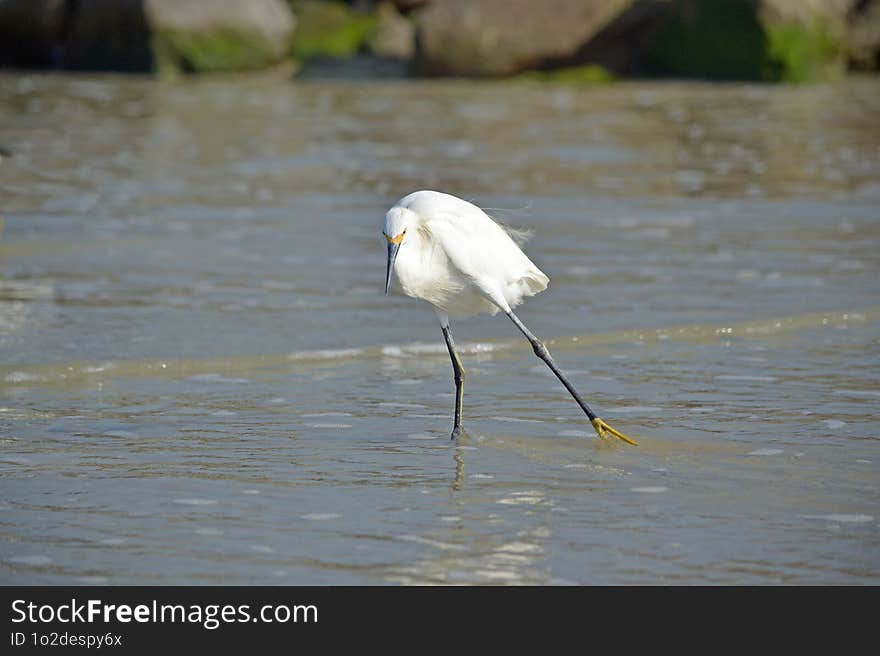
(201, 381)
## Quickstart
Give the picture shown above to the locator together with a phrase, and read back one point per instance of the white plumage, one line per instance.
(457, 258)
(450, 253)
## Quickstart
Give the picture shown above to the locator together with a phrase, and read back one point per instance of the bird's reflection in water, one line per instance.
(459, 469)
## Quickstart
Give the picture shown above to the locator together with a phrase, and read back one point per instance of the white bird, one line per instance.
(450, 253)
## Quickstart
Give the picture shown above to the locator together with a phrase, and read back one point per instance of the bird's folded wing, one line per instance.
(482, 251)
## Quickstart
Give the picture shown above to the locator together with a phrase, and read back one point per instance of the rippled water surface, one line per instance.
(201, 381)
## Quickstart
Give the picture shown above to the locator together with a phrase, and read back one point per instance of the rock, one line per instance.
(864, 36)
(108, 35)
(219, 35)
(504, 37)
(404, 6)
(141, 35)
(776, 40)
(30, 31)
(330, 29)
(395, 36)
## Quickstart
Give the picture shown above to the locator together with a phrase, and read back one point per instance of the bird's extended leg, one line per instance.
(458, 373)
(602, 428)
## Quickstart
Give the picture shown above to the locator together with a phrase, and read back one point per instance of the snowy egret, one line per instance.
(450, 253)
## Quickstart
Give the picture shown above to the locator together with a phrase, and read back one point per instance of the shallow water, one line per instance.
(201, 381)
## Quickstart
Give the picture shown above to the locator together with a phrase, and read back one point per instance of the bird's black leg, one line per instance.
(458, 373)
(601, 427)
(542, 352)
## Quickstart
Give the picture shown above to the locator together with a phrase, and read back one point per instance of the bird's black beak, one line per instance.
(392, 255)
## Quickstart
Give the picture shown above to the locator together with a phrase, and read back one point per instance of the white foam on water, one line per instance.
(251, 491)
(834, 423)
(863, 461)
(278, 400)
(764, 452)
(437, 544)
(403, 350)
(450, 518)
(217, 378)
(520, 548)
(519, 501)
(326, 354)
(21, 377)
(262, 548)
(196, 502)
(407, 381)
(98, 368)
(92, 580)
(649, 489)
(329, 425)
(574, 433)
(576, 465)
(482, 476)
(754, 379)
(320, 517)
(842, 518)
(422, 436)
(31, 560)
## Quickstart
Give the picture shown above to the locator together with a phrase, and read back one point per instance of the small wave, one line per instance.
(437, 544)
(765, 452)
(217, 378)
(326, 354)
(858, 393)
(321, 517)
(752, 379)
(21, 377)
(842, 518)
(406, 350)
(31, 560)
(195, 502)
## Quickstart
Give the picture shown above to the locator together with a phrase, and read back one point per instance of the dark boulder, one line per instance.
(503, 37)
(142, 35)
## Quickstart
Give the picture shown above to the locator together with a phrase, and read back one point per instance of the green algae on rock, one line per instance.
(329, 29)
(586, 74)
(771, 40)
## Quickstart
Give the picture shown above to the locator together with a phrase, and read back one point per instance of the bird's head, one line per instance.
(395, 233)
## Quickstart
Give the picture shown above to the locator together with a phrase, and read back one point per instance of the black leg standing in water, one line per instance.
(458, 373)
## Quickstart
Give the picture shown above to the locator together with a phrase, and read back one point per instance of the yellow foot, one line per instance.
(604, 430)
